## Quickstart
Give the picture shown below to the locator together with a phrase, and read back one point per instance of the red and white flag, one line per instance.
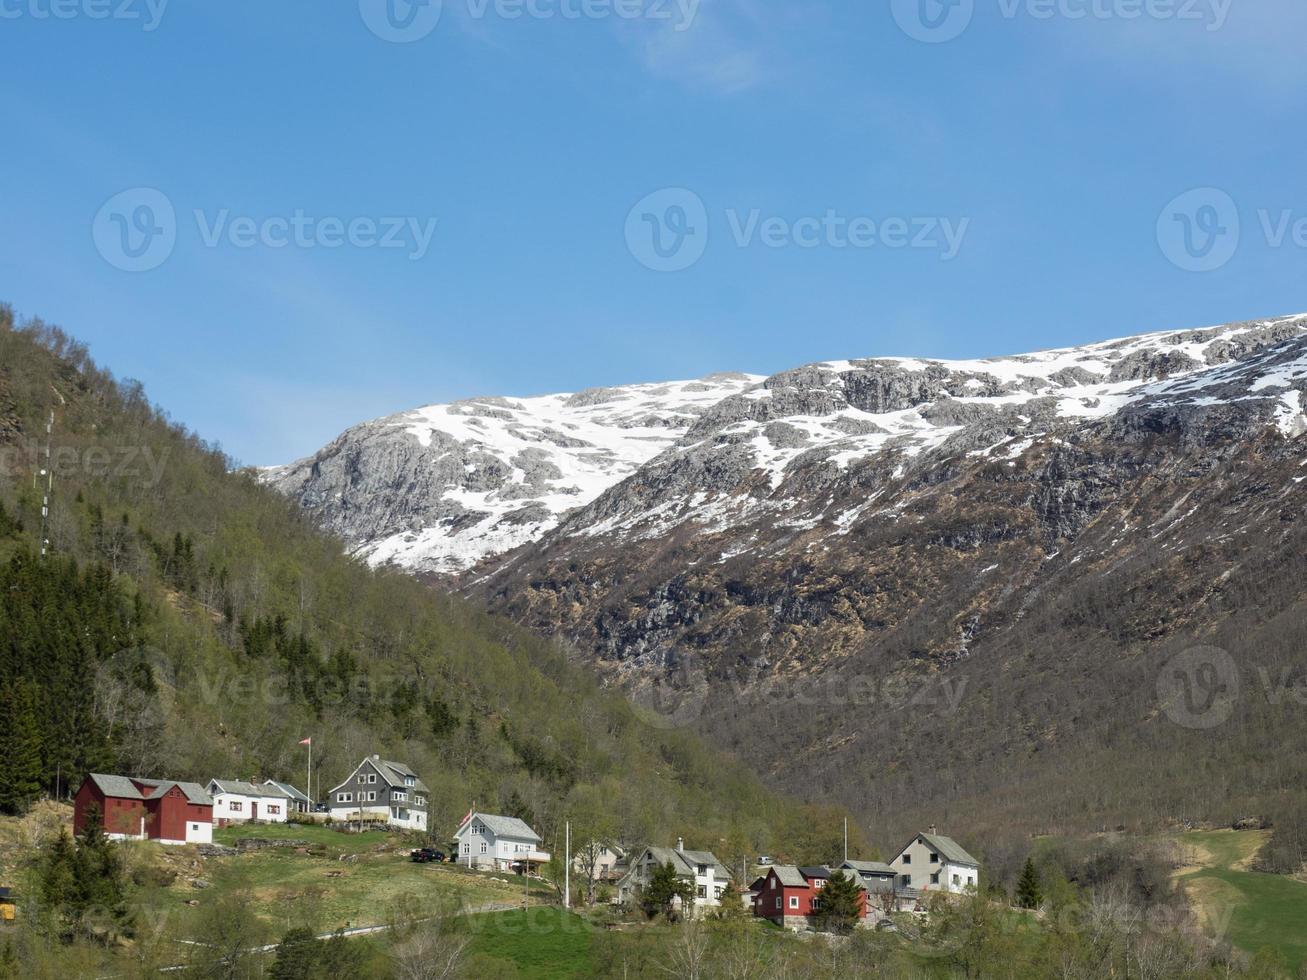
(468, 815)
(306, 741)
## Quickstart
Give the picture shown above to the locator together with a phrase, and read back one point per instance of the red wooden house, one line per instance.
(146, 809)
(790, 896)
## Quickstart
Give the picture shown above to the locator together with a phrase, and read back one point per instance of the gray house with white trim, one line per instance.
(381, 792)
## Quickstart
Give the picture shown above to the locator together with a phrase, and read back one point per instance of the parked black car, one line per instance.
(424, 854)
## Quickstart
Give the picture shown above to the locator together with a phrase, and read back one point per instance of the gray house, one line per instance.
(381, 792)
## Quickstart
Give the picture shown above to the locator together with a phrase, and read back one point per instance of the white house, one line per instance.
(604, 855)
(235, 801)
(485, 840)
(381, 792)
(706, 874)
(299, 803)
(932, 862)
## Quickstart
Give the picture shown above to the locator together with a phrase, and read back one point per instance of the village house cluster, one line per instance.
(384, 793)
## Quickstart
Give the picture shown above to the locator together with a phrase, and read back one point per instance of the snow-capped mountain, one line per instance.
(921, 579)
(445, 487)
(439, 488)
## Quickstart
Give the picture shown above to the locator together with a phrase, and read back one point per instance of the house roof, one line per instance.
(125, 788)
(789, 876)
(501, 826)
(392, 772)
(949, 849)
(237, 787)
(814, 872)
(869, 867)
(289, 790)
(685, 862)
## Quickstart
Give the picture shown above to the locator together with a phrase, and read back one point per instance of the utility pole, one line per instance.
(567, 864)
(48, 473)
(846, 839)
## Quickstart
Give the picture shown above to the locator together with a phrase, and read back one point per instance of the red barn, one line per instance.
(790, 896)
(146, 809)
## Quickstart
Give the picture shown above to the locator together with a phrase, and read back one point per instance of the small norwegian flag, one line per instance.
(306, 741)
(468, 816)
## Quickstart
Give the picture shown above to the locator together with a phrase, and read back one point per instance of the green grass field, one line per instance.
(543, 943)
(1257, 911)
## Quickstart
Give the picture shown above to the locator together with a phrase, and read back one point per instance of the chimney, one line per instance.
(680, 843)
(931, 830)
(376, 758)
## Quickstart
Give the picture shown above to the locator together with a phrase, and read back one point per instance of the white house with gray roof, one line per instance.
(932, 862)
(490, 841)
(701, 869)
(381, 792)
(235, 801)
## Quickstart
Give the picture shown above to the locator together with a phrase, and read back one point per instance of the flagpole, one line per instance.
(309, 794)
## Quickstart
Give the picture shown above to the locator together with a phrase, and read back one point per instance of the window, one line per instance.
(816, 904)
(934, 858)
(905, 881)
(934, 879)
(702, 891)
(778, 902)
(370, 777)
(907, 858)
(409, 781)
(794, 901)
(467, 848)
(372, 795)
(817, 883)
(420, 800)
(399, 794)
(703, 870)
(236, 806)
(344, 797)
(272, 810)
(957, 880)
(484, 847)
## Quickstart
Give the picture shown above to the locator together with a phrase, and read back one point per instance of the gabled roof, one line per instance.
(289, 790)
(398, 771)
(685, 862)
(869, 867)
(949, 849)
(815, 872)
(500, 826)
(237, 787)
(392, 772)
(125, 788)
(789, 876)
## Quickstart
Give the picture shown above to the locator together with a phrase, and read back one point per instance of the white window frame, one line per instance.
(344, 797)
(794, 901)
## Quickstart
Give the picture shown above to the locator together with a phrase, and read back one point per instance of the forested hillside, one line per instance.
(188, 623)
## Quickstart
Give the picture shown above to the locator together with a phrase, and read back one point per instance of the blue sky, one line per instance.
(1051, 144)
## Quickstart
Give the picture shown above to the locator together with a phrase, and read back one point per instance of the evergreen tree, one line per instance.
(20, 748)
(100, 890)
(665, 886)
(298, 955)
(839, 905)
(1030, 892)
